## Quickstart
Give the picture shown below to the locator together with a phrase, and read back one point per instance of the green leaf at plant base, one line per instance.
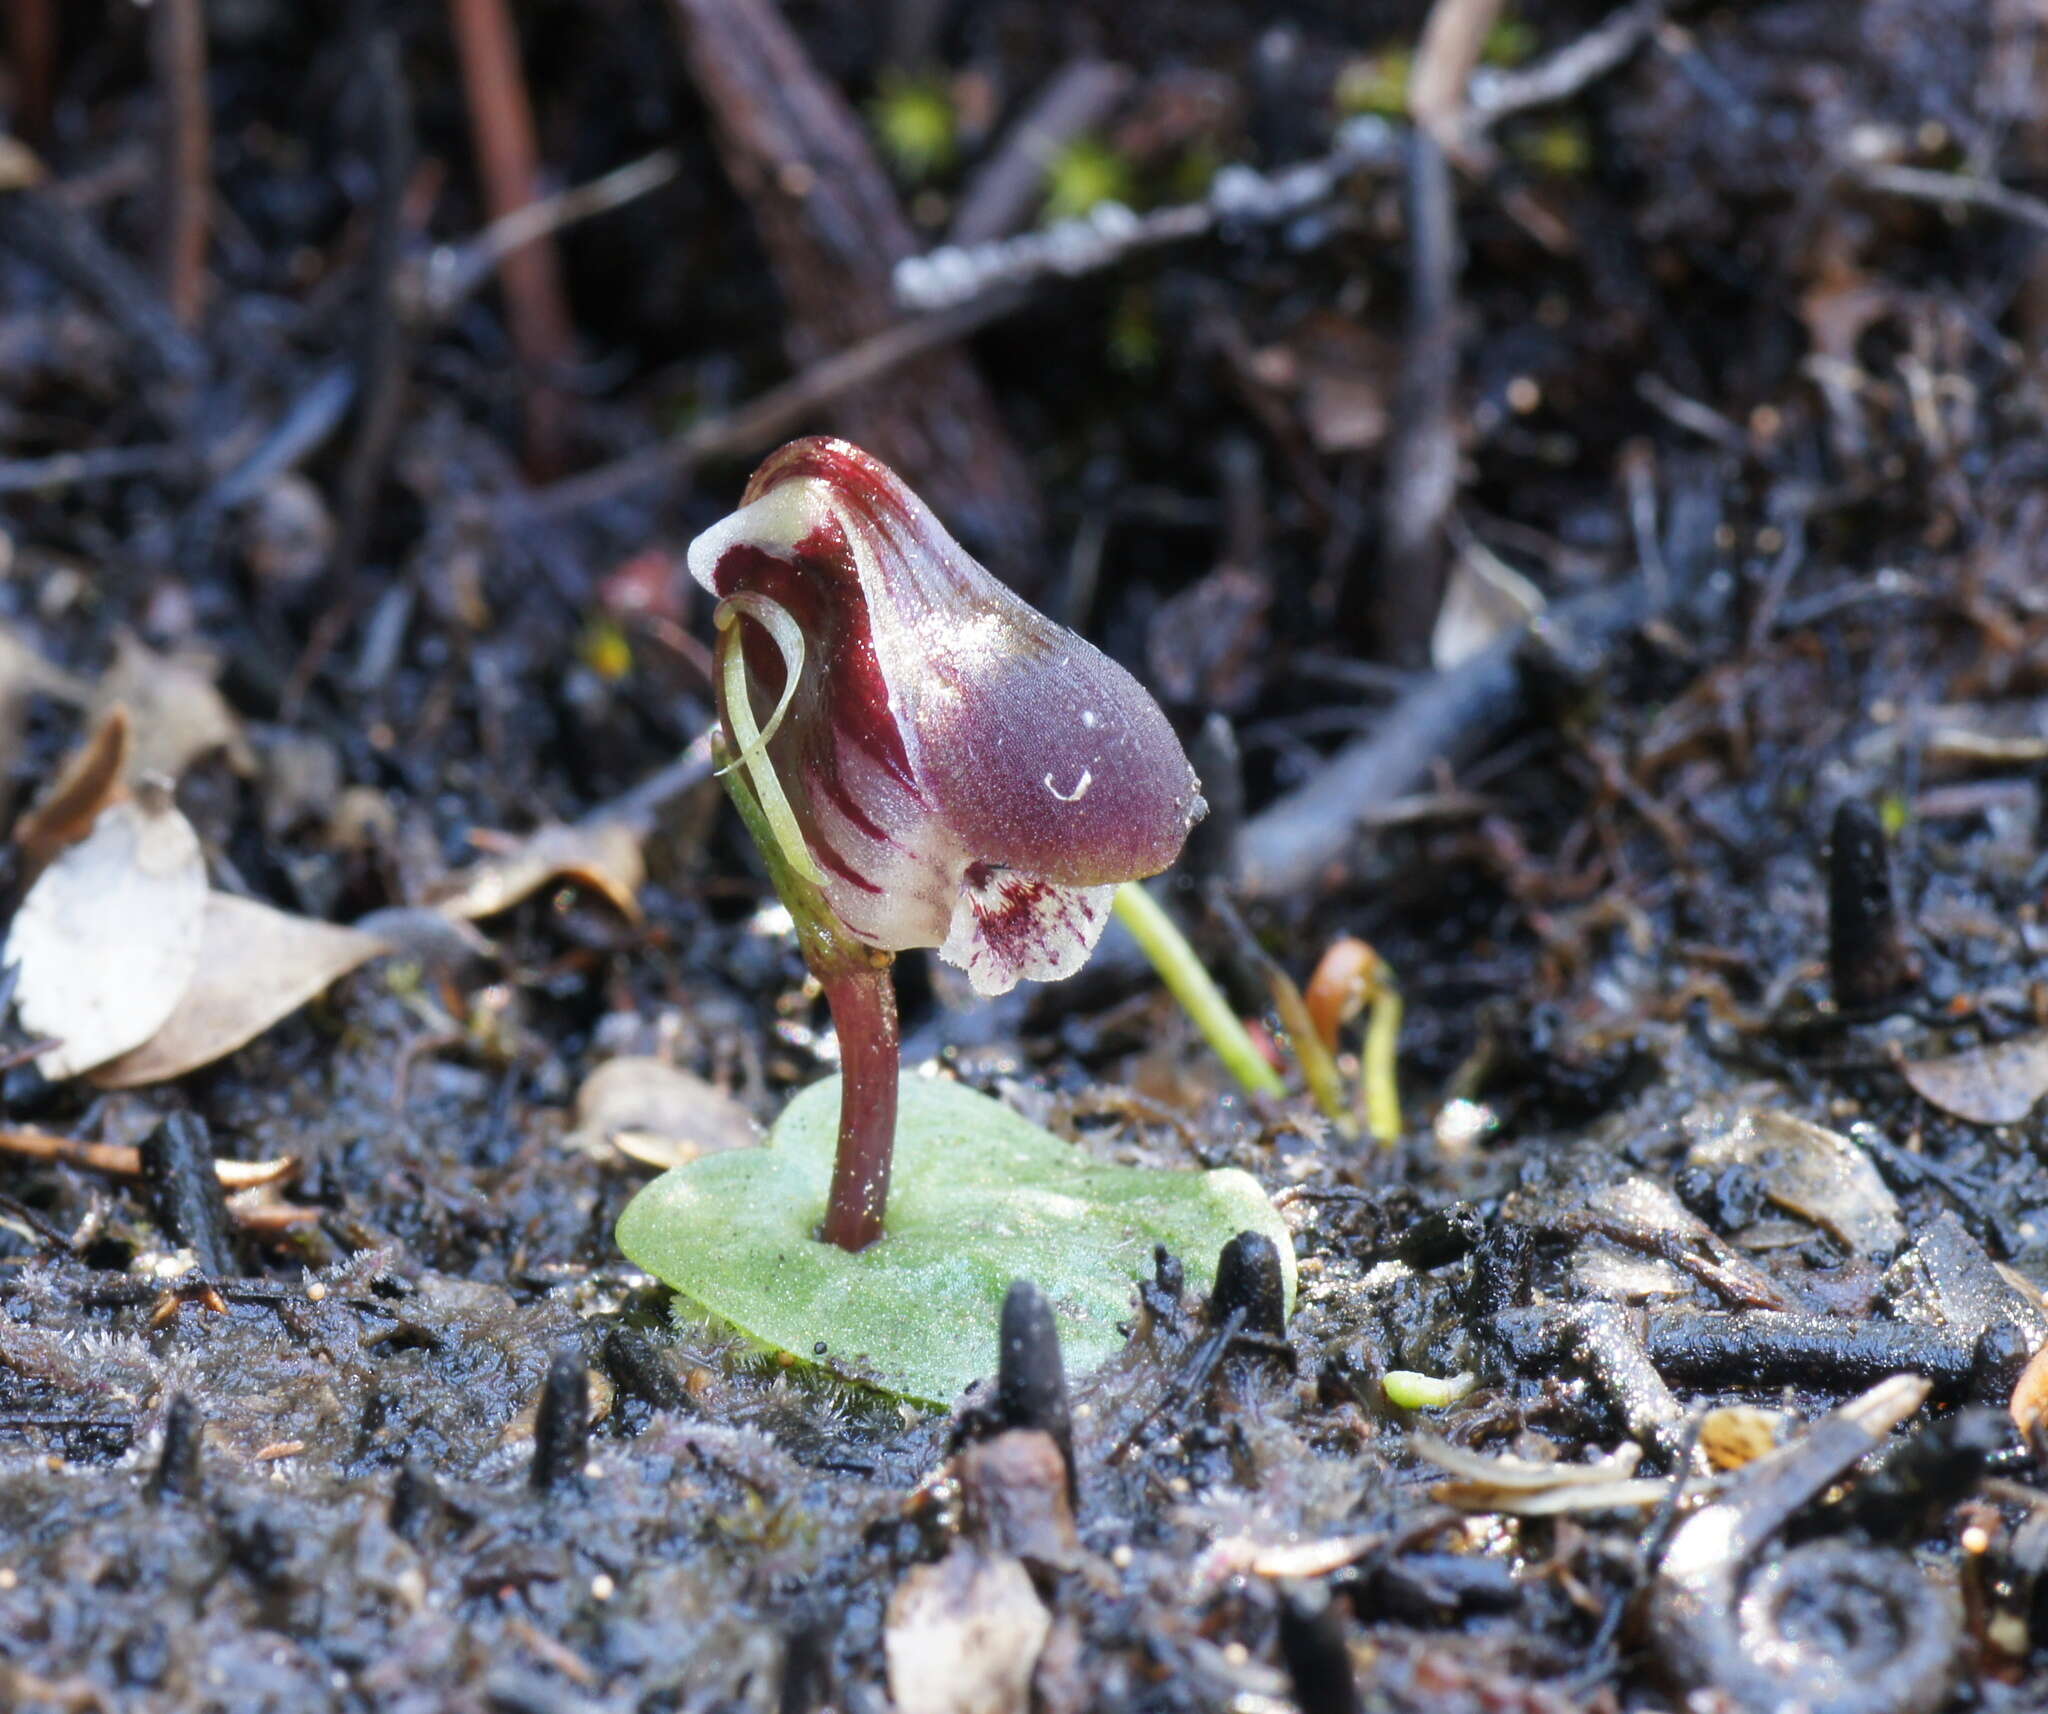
(979, 1197)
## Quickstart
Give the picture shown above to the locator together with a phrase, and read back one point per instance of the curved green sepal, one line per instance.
(979, 1197)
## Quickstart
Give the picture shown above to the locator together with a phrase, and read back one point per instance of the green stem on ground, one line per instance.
(1191, 984)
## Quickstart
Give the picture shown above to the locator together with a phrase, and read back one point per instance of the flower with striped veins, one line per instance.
(942, 765)
(964, 774)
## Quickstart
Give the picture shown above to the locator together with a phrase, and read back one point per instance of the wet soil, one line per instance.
(439, 1447)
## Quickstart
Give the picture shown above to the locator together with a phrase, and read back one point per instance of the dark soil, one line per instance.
(1765, 427)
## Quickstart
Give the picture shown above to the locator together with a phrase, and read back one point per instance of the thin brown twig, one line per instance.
(185, 186)
(771, 415)
(126, 1162)
(456, 270)
(508, 162)
(32, 49)
(1922, 185)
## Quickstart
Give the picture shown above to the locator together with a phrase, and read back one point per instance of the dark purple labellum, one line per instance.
(966, 774)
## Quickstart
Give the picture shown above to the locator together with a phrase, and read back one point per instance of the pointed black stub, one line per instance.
(1868, 959)
(637, 1365)
(177, 1160)
(415, 1501)
(1312, 1646)
(561, 1424)
(1249, 1281)
(177, 1473)
(1031, 1375)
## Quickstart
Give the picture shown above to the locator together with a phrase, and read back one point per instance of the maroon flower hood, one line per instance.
(966, 774)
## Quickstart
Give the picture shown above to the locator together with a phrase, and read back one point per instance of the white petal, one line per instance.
(1008, 926)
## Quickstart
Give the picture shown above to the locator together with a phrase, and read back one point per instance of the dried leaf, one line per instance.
(658, 1113)
(256, 965)
(1484, 599)
(1805, 1169)
(178, 714)
(109, 937)
(94, 775)
(1997, 1084)
(603, 855)
(963, 1636)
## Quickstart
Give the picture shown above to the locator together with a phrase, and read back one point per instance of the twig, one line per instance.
(101, 464)
(508, 161)
(32, 49)
(454, 271)
(1453, 37)
(771, 415)
(1921, 185)
(124, 1161)
(185, 180)
(1239, 196)
(382, 359)
(833, 230)
(42, 227)
(1422, 456)
(1006, 189)
(1494, 94)
(1450, 717)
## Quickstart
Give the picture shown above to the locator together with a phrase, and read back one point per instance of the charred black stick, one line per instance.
(1312, 1646)
(382, 363)
(561, 1424)
(177, 1473)
(1031, 1376)
(1868, 959)
(177, 1159)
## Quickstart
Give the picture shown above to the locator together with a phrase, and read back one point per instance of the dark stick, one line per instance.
(1249, 1281)
(863, 1002)
(185, 182)
(1868, 960)
(1312, 1645)
(561, 1424)
(1031, 1377)
(773, 415)
(177, 1159)
(508, 162)
(382, 360)
(59, 238)
(630, 1358)
(834, 231)
(32, 46)
(1422, 459)
(1449, 717)
(177, 1473)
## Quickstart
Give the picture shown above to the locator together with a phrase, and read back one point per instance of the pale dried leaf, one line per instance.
(658, 1113)
(108, 938)
(1805, 1169)
(1734, 1435)
(603, 855)
(1997, 1084)
(1525, 1474)
(963, 1636)
(179, 716)
(256, 965)
(93, 776)
(1484, 599)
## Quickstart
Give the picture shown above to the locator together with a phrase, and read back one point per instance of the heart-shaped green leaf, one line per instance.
(979, 1196)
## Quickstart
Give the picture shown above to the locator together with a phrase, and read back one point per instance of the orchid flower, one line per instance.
(940, 764)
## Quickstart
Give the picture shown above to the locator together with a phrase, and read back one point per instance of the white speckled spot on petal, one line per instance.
(1009, 927)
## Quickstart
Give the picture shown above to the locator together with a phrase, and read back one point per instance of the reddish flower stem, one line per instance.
(863, 1001)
